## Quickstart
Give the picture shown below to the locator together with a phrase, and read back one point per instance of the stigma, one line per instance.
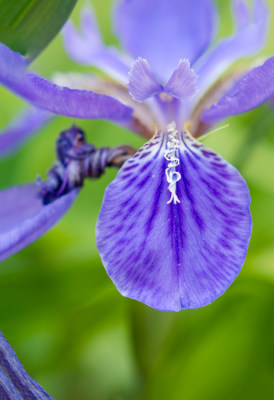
(171, 155)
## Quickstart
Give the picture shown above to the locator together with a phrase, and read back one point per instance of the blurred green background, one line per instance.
(78, 337)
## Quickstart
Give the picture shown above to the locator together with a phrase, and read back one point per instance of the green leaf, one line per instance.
(27, 26)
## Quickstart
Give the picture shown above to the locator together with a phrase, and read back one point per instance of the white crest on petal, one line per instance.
(172, 175)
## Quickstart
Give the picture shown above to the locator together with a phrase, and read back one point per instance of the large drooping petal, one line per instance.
(15, 383)
(174, 256)
(248, 39)
(60, 100)
(251, 91)
(19, 130)
(163, 32)
(86, 47)
(24, 218)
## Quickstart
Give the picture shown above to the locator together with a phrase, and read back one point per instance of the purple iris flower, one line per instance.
(15, 383)
(175, 224)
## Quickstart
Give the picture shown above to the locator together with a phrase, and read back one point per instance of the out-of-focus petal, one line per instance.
(16, 377)
(86, 47)
(174, 256)
(248, 39)
(182, 83)
(163, 32)
(24, 218)
(241, 13)
(60, 100)
(142, 82)
(19, 130)
(251, 91)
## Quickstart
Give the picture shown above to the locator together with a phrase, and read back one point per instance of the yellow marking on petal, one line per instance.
(155, 127)
(186, 128)
(165, 97)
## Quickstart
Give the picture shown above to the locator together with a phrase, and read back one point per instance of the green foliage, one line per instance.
(28, 26)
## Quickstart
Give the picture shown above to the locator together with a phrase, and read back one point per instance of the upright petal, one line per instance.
(173, 256)
(252, 90)
(24, 218)
(86, 47)
(15, 383)
(248, 39)
(142, 83)
(19, 130)
(164, 31)
(182, 83)
(60, 100)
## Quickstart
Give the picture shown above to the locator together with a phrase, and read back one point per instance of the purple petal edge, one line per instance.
(87, 47)
(24, 218)
(142, 82)
(16, 378)
(248, 39)
(60, 100)
(182, 83)
(19, 130)
(252, 90)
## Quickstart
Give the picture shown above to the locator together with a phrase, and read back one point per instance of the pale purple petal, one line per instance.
(174, 256)
(252, 90)
(24, 218)
(248, 39)
(60, 100)
(163, 32)
(86, 47)
(19, 130)
(142, 82)
(28, 388)
(241, 13)
(182, 83)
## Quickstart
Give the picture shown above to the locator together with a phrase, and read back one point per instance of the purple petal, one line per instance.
(143, 120)
(25, 125)
(163, 32)
(19, 379)
(24, 218)
(252, 90)
(174, 256)
(241, 13)
(142, 83)
(87, 47)
(7, 390)
(248, 39)
(182, 83)
(59, 100)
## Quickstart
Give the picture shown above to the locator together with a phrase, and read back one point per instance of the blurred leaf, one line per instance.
(260, 128)
(27, 26)
(213, 353)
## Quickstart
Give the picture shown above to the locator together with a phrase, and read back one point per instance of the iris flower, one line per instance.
(175, 224)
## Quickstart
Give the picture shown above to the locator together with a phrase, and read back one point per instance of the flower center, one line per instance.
(171, 153)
